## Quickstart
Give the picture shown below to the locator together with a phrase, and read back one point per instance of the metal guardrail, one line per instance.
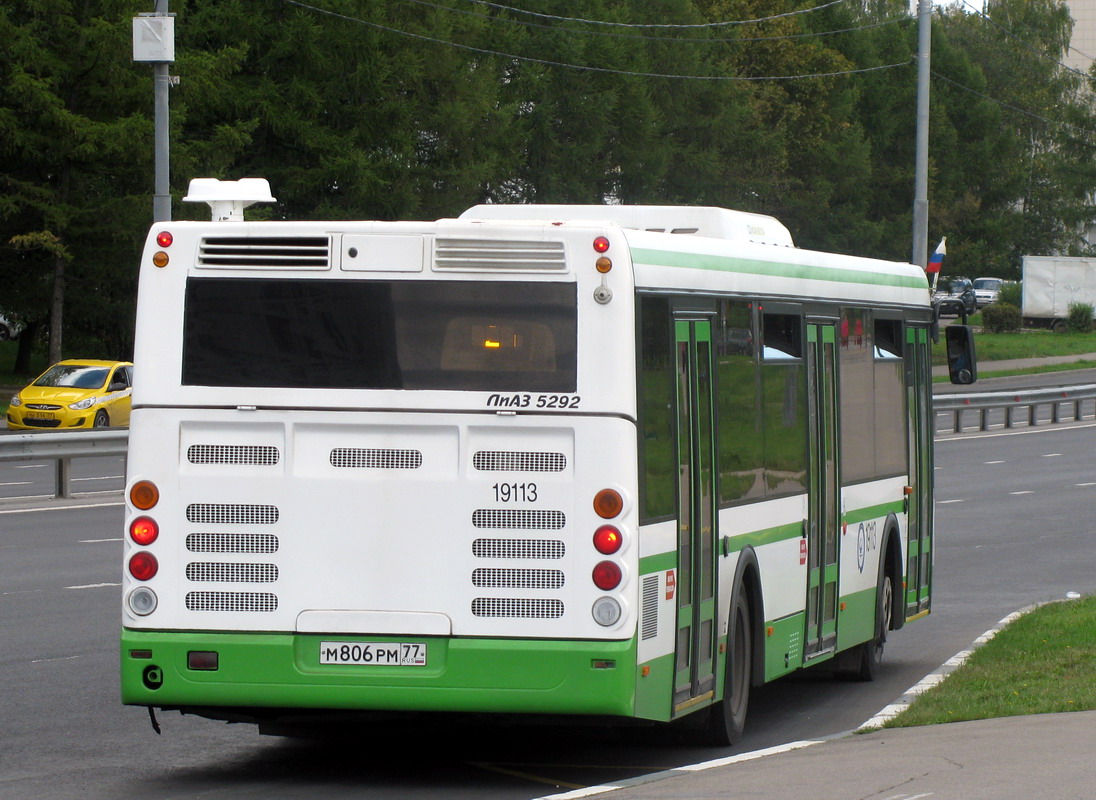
(63, 446)
(1065, 404)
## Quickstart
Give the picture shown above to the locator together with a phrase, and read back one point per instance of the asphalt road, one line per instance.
(1014, 526)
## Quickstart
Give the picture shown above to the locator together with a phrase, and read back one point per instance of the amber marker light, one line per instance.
(144, 495)
(608, 503)
(159, 258)
(603, 264)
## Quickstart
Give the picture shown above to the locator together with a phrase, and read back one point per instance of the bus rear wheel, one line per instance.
(727, 718)
(871, 652)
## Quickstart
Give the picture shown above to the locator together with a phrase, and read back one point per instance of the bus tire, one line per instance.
(727, 718)
(871, 652)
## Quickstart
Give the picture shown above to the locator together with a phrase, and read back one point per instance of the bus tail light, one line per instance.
(142, 601)
(164, 239)
(144, 531)
(144, 495)
(143, 566)
(601, 244)
(607, 540)
(607, 575)
(608, 503)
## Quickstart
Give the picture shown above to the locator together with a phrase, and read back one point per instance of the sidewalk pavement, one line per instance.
(1010, 758)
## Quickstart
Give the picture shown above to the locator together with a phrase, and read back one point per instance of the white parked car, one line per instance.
(9, 329)
(985, 290)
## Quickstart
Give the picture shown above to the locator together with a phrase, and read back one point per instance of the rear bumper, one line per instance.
(461, 675)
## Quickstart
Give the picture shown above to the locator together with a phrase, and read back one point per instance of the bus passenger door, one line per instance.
(823, 493)
(695, 662)
(919, 409)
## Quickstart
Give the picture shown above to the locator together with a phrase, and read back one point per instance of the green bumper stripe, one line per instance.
(283, 671)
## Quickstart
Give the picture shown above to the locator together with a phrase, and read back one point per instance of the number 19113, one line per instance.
(515, 492)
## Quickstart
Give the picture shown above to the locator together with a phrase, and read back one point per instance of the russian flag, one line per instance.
(937, 258)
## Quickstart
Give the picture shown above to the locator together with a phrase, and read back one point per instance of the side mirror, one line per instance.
(118, 386)
(962, 364)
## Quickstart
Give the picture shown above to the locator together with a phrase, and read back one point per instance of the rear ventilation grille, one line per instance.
(506, 461)
(517, 607)
(232, 454)
(231, 573)
(649, 628)
(517, 578)
(375, 459)
(478, 255)
(518, 518)
(231, 601)
(299, 252)
(552, 549)
(232, 543)
(231, 514)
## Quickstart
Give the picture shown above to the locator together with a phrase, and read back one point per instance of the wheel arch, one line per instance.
(890, 560)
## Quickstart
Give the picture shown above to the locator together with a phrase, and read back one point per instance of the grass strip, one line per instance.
(1041, 663)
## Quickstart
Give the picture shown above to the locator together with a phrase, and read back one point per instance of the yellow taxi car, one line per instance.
(76, 393)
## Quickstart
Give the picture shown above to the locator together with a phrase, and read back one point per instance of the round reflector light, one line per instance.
(144, 531)
(144, 495)
(164, 239)
(142, 601)
(608, 503)
(603, 264)
(606, 611)
(160, 259)
(143, 566)
(601, 244)
(607, 540)
(607, 575)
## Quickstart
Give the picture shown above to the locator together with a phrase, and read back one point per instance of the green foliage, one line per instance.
(1080, 317)
(1001, 318)
(1011, 293)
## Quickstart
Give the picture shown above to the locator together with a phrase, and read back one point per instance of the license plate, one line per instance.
(39, 415)
(384, 654)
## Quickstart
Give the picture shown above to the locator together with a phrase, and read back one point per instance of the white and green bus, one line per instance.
(599, 461)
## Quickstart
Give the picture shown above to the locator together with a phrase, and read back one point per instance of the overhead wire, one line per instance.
(587, 68)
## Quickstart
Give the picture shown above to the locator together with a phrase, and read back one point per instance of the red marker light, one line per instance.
(144, 531)
(601, 244)
(607, 576)
(143, 566)
(607, 540)
(164, 239)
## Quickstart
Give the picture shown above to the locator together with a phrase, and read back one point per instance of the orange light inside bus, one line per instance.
(608, 503)
(143, 566)
(144, 531)
(607, 540)
(144, 495)
(492, 344)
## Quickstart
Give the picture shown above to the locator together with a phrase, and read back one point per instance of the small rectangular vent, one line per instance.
(308, 252)
(233, 454)
(518, 518)
(649, 601)
(522, 607)
(509, 461)
(232, 543)
(519, 548)
(517, 578)
(232, 514)
(231, 601)
(231, 573)
(476, 255)
(369, 458)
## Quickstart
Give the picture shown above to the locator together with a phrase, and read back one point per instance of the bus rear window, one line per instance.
(335, 334)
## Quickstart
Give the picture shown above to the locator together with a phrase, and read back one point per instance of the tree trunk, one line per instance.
(56, 309)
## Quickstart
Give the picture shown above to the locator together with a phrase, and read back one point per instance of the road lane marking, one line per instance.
(54, 508)
(93, 586)
(60, 658)
(1026, 491)
(97, 541)
(994, 462)
(945, 502)
(1051, 455)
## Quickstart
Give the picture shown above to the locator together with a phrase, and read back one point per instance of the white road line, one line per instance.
(994, 462)
(93, 586)
(16, 483)
(1085, 484)
(100, 478)
(47, 660)
(945, 502)
(55, 508)
(1051, 455)
(1025, 491)
(97, 541)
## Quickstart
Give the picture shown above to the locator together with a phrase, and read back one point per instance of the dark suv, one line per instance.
(954, 296)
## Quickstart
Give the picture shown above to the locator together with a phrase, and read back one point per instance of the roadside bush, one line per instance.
(1080, 317)
(1011, 293)
(1001, 318)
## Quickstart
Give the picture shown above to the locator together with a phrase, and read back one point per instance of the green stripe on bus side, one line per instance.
(658, 563)
(874, 512)
(749, 266)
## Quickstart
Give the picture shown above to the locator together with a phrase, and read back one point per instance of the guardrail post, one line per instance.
(1033, 414)
(64, 485)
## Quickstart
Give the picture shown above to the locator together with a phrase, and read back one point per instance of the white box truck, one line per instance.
(1051, 284)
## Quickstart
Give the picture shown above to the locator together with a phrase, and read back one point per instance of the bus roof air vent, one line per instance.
(228, 199)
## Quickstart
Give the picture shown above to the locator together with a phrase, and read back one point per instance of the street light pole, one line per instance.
(921, 157)
(154, 42)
